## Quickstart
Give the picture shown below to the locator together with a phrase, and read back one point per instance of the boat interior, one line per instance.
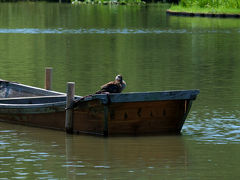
(12, 89)
(15, 93)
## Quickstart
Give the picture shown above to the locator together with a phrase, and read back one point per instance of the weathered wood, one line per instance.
(107, 114)
(139, 118)
(50, 120)
(12, 109)
(27, 105)
(149, 96)
(48, 78)
(134, 113)
(89, 118)
(130, 118)
(69, 111)
(13, 90)
(187, 107)
(32, 100)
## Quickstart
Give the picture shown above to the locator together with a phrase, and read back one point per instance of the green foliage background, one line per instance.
(211, 3)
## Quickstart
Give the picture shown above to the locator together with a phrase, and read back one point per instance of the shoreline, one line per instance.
(199, 14)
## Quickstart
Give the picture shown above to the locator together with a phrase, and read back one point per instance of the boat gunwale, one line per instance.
(37, 89)
(32, 106)
(13, 105)
(34, 90)
(38, 108)
(145, 96)
(31, 97)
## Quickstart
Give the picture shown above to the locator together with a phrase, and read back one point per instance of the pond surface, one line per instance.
(90, 45)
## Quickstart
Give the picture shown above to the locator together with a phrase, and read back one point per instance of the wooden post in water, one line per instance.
(48, 78)
(69, 112)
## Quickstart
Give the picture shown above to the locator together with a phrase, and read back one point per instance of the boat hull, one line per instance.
(27, 105)
(139, 118)
(52, 120)
(146, 113)
(111, 116)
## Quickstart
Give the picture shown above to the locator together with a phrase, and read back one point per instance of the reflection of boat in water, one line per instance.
(69, 155)
(151, 156)
(125, 150)
(103, 114)
(130, 150)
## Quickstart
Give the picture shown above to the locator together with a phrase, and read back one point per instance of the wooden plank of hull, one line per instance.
(39, 111)
(53, 120)
(89, 118)
(138, 118)
(135, 118)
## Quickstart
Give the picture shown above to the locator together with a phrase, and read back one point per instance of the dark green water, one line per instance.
(90, 45)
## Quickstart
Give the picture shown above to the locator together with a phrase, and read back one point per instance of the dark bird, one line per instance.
(115, 86)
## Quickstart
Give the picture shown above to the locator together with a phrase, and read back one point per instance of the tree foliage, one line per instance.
(211, 3)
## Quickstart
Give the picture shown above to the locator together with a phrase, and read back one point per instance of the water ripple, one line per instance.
(108, 31)
(213, 127)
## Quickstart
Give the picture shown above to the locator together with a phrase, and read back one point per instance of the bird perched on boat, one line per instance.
(115, 86)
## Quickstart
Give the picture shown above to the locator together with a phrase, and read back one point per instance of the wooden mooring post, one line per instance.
(48, 78)
(69, 111)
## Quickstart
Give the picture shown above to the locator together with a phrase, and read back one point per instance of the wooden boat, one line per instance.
(32, 106)
(134, 113)
(102, 114)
